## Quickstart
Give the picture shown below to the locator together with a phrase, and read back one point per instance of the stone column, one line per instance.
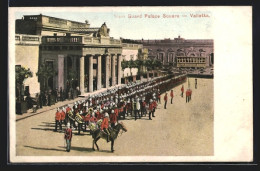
(74, 63)
(119, 69)
(82, 70)
(99, 72)
(60, 72)
(90, 74)
(107, 71)
(113, 69)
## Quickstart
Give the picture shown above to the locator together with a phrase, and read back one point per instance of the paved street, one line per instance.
(183, 129)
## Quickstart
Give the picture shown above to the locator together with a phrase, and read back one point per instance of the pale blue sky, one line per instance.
(138, 28)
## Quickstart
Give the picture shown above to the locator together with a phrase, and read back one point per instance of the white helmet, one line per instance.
(106, 115)
(68, 125)
(112, 111)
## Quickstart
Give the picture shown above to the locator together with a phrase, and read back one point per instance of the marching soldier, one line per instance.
(150, 108)
(187, 95)
(113, 118)
(116, 110)
(172, 95)
(63, 116)
(79, 123)
(98, 114)
(143, 107)
(182, 91)
(154, 107)
(195, 83)
(68, 137)
(165, 100)
(58, 120)
(86, 119)
(134, 109)
(190, 92)
(93, 118)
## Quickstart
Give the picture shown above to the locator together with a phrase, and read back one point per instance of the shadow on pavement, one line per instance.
(47, 129)
(79, 148)
(41, 148)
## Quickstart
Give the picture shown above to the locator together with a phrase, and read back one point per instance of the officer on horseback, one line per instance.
(104, 126)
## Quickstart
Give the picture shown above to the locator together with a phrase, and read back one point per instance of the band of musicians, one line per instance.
(137, 100)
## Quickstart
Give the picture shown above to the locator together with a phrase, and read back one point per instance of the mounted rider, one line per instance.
(104, 126)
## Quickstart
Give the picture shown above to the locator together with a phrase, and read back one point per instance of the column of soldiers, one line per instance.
(134, 99)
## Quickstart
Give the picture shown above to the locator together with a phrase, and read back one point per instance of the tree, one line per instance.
(139, 63)
(131, 64)
(21, 74)
(45, 72)
(124, 64)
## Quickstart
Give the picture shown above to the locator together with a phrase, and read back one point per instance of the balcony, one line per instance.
(62, 40)
(27, 39)
(79, 40)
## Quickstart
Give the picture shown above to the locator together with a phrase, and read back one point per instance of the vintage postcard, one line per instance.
(130, 84)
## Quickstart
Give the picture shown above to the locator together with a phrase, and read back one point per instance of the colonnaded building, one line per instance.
(68, 47)
(180, 52)
(91, 55)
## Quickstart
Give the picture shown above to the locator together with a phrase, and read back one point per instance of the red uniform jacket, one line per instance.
(93, 119)
(68, 109)
(99, 116)
(68, 134)
(187, 93)
(182, 89)
(63, 115)
(172, 95)
(144, 104)
(116, 111)
(113, 118)
(58, 116)
(87, 117)
(150, 106)
(154, 104)
(104, 123)
(165, 98)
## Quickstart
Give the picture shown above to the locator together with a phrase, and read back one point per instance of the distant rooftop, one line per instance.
(31, 17)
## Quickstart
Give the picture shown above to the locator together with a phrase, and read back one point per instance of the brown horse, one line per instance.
(97, 134)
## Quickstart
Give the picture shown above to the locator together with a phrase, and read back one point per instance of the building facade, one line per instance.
(27, 55)
(168, 51)
(130, 51)
(72, 47)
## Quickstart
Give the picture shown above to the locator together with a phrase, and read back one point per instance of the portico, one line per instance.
(95, 65)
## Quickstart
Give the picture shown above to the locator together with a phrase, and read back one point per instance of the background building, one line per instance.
(130, 53)
(27, 55)
(167, 51)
